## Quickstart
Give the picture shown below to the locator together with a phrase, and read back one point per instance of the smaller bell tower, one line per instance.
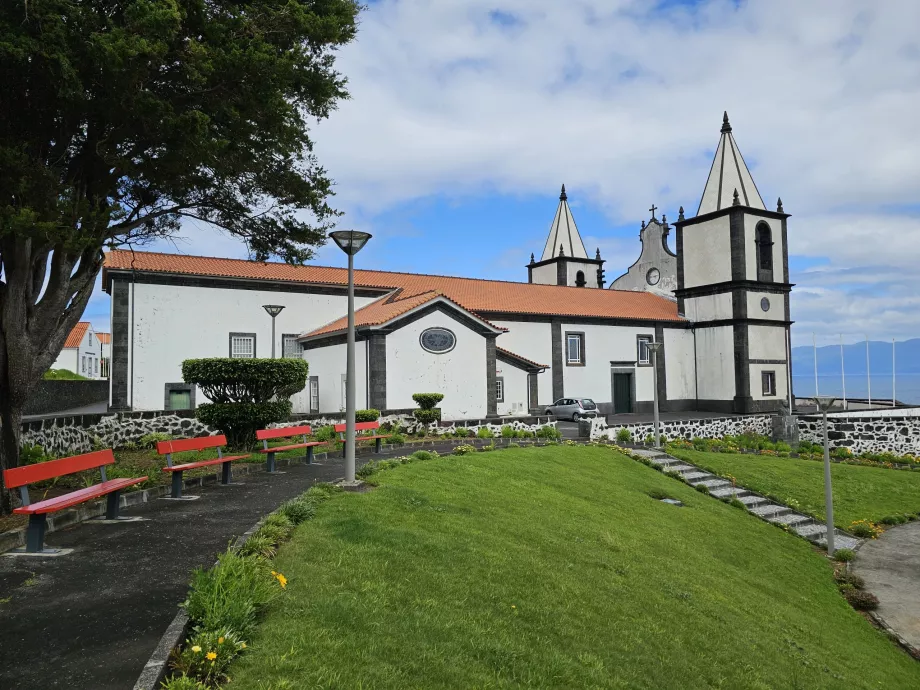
(565, 260)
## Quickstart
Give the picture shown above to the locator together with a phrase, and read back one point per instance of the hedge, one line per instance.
(230, 380)
(370, 415)
(427, 401)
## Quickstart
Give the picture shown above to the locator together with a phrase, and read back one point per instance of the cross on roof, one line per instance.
(653, 209)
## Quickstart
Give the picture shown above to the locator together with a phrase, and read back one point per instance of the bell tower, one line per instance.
(733, 285)
(564, 260)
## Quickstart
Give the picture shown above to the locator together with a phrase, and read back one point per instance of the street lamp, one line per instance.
(824, 403)
(351, 242)
(655, 347)
(273, 311)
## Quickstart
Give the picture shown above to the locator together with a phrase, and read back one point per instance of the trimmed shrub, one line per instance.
(424, 455)
(861, 600)
(507, 432)
(370, 415)
(864, 529)
(735, 503)
(485, 432)
(245, 394)
(702, 488)
(624, 435)
(549, 432)
(396, 439)
(845, 578)
(894, 519)
(427, 401)
(427, 416)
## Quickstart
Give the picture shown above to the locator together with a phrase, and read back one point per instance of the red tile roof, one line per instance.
(104, 338)
(523, 359)
(475, 295)
(77, 334)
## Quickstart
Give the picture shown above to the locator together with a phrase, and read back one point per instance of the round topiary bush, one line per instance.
(370, 415)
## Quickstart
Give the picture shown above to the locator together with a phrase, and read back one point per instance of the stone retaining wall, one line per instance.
(899, 435)
(715, 427)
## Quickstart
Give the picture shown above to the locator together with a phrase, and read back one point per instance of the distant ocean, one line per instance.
(907, 391)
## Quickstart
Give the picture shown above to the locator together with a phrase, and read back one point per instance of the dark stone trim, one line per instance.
(557, 371)
(377, 371)
(340, 338)
(500, 399)
(584, 359)
(623, 363)
(702, 218)
(783, 234)
(747, 321)
(661, 370)
(727, 406)
(517, 362)
(731, 285)
(269, 285)
(736, 239)
(651, 339)
(118, 371)
(178, 387)
(255, 351)
(533, 392)
(576, 259)
(742, 368)
(491, 375)
(763, 374)
(633, 403)
(585, 320)
(766, 361)
(562, 273)
(764, 275)
(680, 270)
(310, 381)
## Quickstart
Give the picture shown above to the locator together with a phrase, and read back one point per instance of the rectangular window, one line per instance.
(243, 345)
(290, 348)
(180, 400)
(500, 389)
(769, 382)
(96, 365)
(575, 348)
(84, 364)
(314, 394)
(644, 355)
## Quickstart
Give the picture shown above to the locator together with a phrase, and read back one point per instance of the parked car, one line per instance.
(572, 408)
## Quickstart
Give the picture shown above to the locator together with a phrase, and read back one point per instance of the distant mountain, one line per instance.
(854, 355)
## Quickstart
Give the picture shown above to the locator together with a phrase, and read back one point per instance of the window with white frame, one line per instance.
(644, 354)
(242, 345)
(290, 348)
(500, 389)
(575, 348)
(769, 382)
(83, 365)
(314, 394)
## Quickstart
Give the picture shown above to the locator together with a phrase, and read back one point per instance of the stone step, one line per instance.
(696, 474)
(712, 483)
(751, 500)
(841, 541)
(663, 461)
(681, 468)
(724, 491)
(812, 531)
(789, 519)
(769, 510)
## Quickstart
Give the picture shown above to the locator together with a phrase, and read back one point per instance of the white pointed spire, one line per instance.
(729, 173)
(563, 235)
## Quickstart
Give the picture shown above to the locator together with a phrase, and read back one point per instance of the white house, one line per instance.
(105, 341)
(492, 347)
(82, 352)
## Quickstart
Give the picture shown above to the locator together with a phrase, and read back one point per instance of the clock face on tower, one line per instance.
(653, 276)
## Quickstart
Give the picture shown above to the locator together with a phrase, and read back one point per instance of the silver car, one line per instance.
(572, 408)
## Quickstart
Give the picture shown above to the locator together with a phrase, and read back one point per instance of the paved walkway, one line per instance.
(92, 618)
(890, 566)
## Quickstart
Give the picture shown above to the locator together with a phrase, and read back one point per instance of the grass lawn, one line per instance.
(552, 567)
(859, 492)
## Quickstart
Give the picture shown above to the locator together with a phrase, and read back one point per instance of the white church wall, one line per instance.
(459, 374)
(515, 387)
(750, 256)
(679, 365)
(715, 363)
(767, 342)
(605, 344)
(707, 252)
(328, 364)
(544, 275)
(708, 308)
(776, 312)
(534, 341)
(590, 271)
(782, 391)
(167, 331)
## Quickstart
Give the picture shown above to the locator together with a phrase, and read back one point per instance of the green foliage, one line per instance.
(841, 453)
(427, 401)
(149, 441)
(62, 375)
(462, 432)
(514, 445)
(31, 454)
(370, 415)
(325, 433)
(182, 683)
(735, 503)
(229, 380)
(396, 439)
(298, 510)
(844, 555)
(507, 431)
(844, 576)
(427, 416)
(240, 421)
(485, 432)
(231, 595)
(549, 432)
(207, 654)
(424, 455)
(659, 494)
(702, 488)
(624, 435)
(260, 546)
(464, 449)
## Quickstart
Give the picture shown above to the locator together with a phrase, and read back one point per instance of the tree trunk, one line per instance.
(10, 431)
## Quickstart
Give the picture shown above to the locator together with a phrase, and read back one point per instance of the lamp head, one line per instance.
(824, 402)
(273, 309)
(350, 241)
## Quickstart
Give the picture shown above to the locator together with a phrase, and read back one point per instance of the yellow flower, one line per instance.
(220, 640)
(274, 574)
(242, 645)
(211, 656)
(282, 580)
(196, 649)
(513, 606)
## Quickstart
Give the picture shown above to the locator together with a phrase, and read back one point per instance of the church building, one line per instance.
(719, 304)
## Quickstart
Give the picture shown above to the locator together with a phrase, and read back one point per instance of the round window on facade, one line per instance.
(437, 340)
(653, 276)
(765, 304)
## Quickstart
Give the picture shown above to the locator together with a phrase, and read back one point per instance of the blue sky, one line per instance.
(466, 116)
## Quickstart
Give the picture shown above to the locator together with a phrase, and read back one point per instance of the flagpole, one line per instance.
(843, 373)
(814, 343)
(893, 379)
(868, 373)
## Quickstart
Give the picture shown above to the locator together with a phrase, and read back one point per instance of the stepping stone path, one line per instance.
(806, 526)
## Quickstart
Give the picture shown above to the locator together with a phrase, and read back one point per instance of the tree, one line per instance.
(120, 118)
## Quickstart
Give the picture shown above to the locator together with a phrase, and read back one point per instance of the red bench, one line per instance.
(265, 435)
(21, 477)
(361, 426)
(167, 448)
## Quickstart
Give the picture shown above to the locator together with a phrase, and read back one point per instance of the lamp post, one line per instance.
(824, 403)
(273, 311)
(351, 242)
(655, 347)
